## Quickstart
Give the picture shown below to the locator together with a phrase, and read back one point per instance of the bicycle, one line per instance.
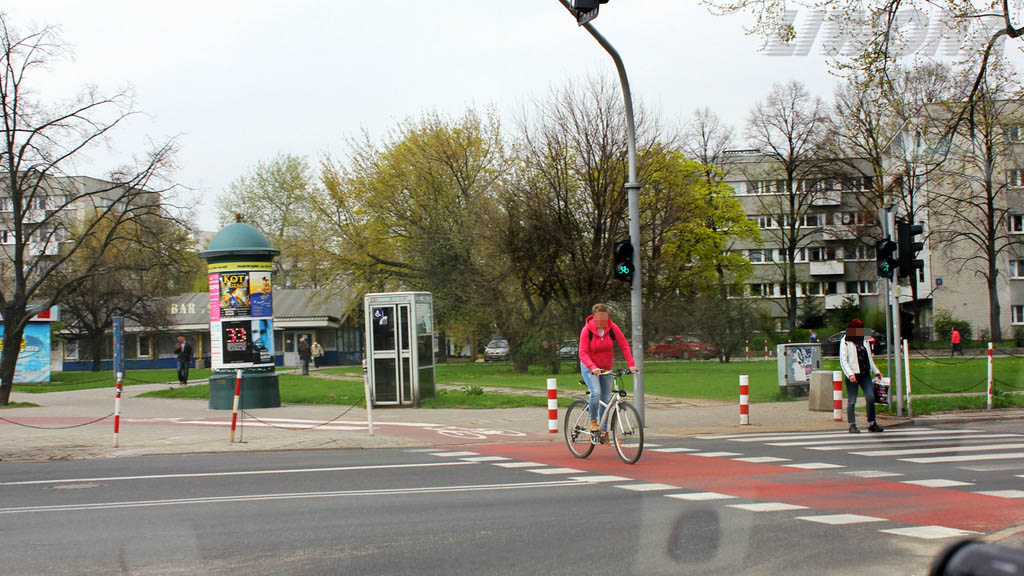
(620, 417)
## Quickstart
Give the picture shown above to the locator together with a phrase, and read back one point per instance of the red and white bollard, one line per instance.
(744, 400)
(766, 349)
(990, 389)
(746, 350)
(837, 396)
(552, 406)
(117, 408)
(234, 409)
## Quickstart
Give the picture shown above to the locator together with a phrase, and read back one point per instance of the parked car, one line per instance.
(685, 347)
(830, 347)
(497, 349)
(569, 350)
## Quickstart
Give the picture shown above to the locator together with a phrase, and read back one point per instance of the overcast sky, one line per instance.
(240, 82)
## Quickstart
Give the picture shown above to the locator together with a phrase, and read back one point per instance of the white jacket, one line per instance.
(848, 359)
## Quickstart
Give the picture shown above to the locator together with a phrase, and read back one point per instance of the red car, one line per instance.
(685, 347)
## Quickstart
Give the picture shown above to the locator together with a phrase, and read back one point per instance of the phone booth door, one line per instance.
(392, 355)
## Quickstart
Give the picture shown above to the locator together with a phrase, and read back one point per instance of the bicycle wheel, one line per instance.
(576, 429)
(628, 432)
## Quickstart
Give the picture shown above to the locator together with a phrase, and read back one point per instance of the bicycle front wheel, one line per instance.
(576, 429)
(628, 432)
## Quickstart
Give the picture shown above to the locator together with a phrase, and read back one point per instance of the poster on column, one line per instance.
(234, 294)
(247, 343)
(260, 294)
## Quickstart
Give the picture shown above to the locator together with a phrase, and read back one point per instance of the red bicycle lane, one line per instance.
(819, 490)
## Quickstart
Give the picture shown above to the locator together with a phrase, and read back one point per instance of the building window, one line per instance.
(145, 348)
(860, 252)
(1017, 269)
(852, 218)
(1017, 223)
(71, 350)
(1015, 132)
(5, 204)
(764, 222)
(1015, 178)
(814, 220)
(755, 256)
(811, 288)
(831, 287)
(1017, 313)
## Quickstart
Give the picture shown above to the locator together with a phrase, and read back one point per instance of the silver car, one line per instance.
(497, 349)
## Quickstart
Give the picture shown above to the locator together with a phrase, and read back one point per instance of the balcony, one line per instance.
(828, 268)
(835, 301)
(837, 232)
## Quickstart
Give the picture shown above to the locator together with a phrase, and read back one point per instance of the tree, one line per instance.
(127, 284)
(276, 197)
(787, 127)
(970, 208)
(705, 139)
(41, 141)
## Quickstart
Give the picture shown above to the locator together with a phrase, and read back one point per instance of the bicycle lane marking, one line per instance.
(814, 489)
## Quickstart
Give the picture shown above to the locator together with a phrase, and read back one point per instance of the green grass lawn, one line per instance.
(679, 379)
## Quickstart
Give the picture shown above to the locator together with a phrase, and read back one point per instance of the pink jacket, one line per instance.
(598, 351)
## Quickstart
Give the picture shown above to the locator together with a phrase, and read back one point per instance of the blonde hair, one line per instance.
(599, 307)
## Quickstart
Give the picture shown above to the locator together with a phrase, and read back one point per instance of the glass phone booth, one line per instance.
(399, 347)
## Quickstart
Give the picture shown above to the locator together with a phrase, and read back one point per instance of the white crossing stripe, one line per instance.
(484, 459)
(845, 436)
(929, 532)
(814, 465)
(764, 435)
(717, 454)
(761, 459)
(965, 458)
(453, 454)
(909, 436)
(886, 440)
(518, 464)
(767, 507)
(556, 471)
(872, 473)
(675, 450)
(1003, 493)
(946, 450)
(598, 479)
(838, 519)
(650, 487)
(937, 483)
(700, 496)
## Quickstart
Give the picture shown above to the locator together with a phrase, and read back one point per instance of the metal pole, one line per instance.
(633, 195)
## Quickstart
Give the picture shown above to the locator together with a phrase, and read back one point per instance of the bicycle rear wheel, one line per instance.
(628, 432)
(576, 429)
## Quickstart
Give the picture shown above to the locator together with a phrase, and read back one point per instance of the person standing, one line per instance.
(858, 366)
(813, 337)
(305, 353)
(955, 341)
(597, 354)
(318, 353)
(183, 352)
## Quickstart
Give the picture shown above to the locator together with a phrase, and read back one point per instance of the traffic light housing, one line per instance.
(624, 267)
(908, 248)
(586, 10)
(885, 255)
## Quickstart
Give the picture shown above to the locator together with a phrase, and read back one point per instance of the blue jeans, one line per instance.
(600, 388)
(865, 383)
(183, 371)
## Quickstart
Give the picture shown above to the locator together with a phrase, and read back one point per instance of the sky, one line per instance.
(242, 82)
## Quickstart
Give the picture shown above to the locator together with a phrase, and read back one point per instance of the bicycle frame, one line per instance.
(615, 396)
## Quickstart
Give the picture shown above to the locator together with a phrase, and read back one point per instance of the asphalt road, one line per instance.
(690, 506)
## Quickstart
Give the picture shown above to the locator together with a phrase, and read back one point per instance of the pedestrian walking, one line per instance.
(858, 366)
(305, 353)
(814, 337)
(955, 341)
(183, 353)
(318, 353)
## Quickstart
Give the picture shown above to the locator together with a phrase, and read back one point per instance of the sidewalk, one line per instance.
(60, 427)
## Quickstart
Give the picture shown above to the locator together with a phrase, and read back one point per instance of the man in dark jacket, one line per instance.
(305, 353)
(183, 352)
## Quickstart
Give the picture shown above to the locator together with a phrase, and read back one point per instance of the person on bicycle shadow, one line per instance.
(597, 354)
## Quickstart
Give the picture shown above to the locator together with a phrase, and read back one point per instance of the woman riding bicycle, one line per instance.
(597, 355)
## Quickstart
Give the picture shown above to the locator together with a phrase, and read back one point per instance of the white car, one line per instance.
(497, 350)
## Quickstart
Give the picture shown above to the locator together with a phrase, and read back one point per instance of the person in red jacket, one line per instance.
(597, 354)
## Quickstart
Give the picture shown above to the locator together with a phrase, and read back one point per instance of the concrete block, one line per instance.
(819, 397)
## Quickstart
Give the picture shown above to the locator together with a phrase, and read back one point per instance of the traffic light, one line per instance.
(906, 325)
(624, 268)
(909, 263)
(885, 256)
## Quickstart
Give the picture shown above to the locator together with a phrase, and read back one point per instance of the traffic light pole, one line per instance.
(633, 195)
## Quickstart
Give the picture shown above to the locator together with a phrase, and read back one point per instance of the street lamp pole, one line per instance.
(633, 194)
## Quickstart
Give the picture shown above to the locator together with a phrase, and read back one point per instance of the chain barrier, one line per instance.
(294, 429)
(1004, 384)
(943, 361)
(1005, 352)
(920, 382)
(56, 427)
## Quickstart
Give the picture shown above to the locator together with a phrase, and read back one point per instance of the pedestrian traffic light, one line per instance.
(885, 256)
(624, 268)
(908, 248)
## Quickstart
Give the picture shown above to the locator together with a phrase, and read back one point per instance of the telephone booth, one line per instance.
(399, 347)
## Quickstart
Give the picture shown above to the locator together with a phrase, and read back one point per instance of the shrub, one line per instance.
(944, 324)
